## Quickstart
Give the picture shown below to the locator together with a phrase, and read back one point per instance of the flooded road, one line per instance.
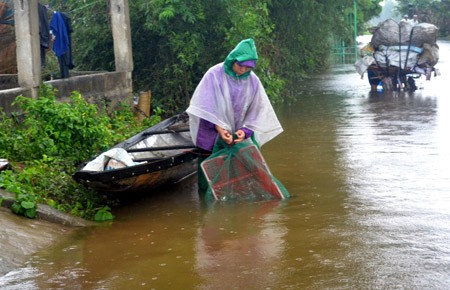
(369, 176)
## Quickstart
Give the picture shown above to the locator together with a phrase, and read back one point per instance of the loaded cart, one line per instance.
(399, 53)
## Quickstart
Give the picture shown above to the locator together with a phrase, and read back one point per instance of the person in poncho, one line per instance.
(230, 103)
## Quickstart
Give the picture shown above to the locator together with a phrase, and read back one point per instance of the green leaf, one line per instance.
(31, 213)
(28, 204)
(102, 216)
(167, 13)
(15, 208)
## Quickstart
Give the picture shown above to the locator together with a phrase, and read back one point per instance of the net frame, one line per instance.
(234, 174)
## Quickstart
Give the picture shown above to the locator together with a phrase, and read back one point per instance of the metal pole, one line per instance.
(355, 27)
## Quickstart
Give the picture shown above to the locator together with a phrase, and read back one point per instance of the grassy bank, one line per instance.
(47, 142)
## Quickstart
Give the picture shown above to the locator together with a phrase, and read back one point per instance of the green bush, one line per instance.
(73, 130)
(47, 142)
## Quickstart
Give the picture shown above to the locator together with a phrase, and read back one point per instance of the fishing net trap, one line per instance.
(239, 172)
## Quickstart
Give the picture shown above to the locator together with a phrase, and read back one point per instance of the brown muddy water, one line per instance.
(369, 176)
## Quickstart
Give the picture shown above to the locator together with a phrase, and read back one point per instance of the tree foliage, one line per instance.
(176, 41)
(305, 30)
(436, 12)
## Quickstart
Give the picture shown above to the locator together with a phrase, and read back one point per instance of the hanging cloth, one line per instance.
(61, 27)
(59, 30)
(7, 12)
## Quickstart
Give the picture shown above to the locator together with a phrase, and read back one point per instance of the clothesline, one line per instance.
(74, 10)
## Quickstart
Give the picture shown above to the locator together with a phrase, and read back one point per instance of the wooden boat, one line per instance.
(159, 155)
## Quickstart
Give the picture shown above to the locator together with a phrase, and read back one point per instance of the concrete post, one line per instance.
(121, 29)
(26, 20)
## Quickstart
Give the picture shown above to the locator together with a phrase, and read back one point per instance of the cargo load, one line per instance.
(399, 53)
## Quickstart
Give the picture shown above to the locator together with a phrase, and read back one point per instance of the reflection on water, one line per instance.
(370, 183)
(239, 241)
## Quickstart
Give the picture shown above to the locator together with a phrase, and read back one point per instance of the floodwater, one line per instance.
(369, 176)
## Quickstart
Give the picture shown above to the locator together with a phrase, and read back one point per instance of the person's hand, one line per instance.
(225, 135)
(240, 136)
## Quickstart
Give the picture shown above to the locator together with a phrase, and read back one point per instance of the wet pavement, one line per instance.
(21, 237)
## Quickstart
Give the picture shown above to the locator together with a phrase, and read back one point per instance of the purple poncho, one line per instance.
(231, 103)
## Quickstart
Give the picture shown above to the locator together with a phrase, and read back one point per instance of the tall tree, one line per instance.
(304, 31)
(176, 41)
(436, 12)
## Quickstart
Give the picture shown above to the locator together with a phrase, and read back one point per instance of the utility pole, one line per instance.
(355, 29)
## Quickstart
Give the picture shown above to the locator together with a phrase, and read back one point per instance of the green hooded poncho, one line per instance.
(245, 50)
